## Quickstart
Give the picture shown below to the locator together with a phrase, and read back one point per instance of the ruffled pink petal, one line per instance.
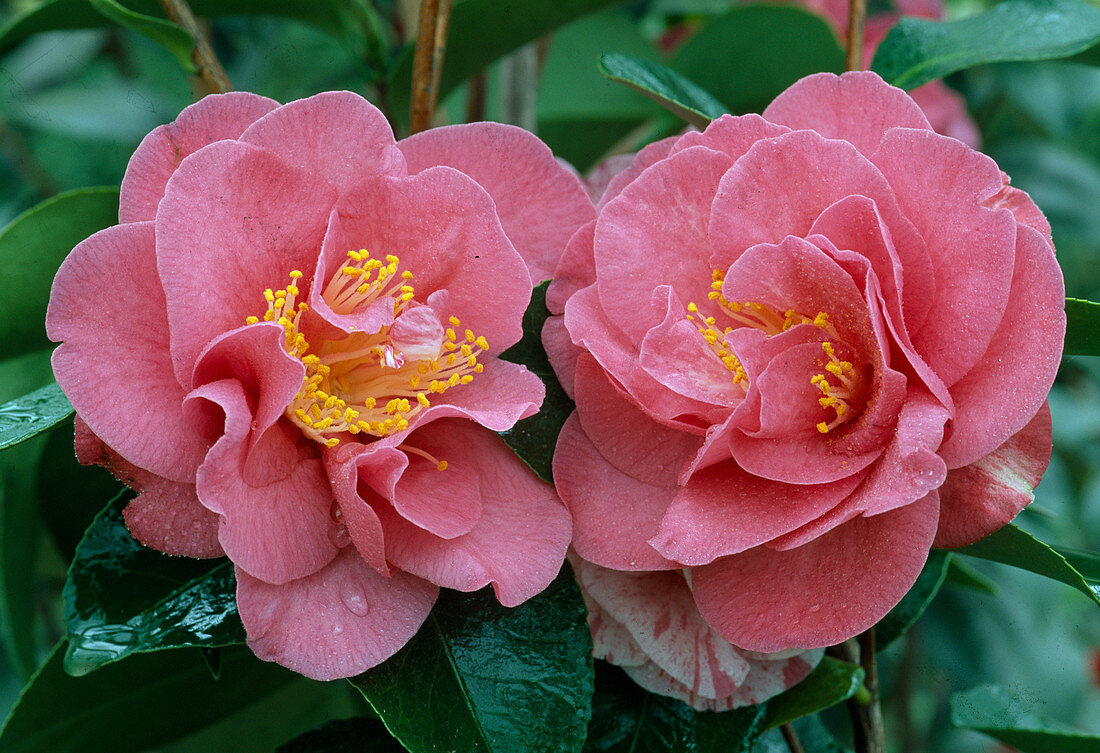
(561, 351)
(858, 107)
(212, 118)
(277, 531)
(576, 269)
(107, 309)
(497, 398)
(824, 592)
(724, 510)
(352, 510)
(518, 542)
(981, 497)
(168, 516)
(234, 221)
(595, 183)
(941, 185)
(1021, 206)
(658, 224)
(731, 134)
(443, 228)
(539, 202)
(337, 622)
(648, 155)
(337, 137)
(946, 113)
(614, 514)
(1011, 380)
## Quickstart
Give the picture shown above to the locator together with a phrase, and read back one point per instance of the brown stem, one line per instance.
(431, 43)
(792, 739)
(867, 728)
(209, 74)
(857, 12)
(475, 97)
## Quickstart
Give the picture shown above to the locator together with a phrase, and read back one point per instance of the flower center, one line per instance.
(371, 382)
(839, 383)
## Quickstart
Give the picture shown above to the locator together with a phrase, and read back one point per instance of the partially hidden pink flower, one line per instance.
(289, 347)
(804, 348)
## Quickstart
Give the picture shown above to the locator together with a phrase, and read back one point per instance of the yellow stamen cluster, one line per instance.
(362, 383)
(838, 395)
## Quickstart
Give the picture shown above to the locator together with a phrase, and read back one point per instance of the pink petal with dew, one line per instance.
(942, 185)
(342, 466)
(648, 155)
(658, 224)
(724, 510)
(979, 498)
(858, 107)
(234, 221)
(626, 437)
(946, 113)
(732, 135)
(823, 592)
(1013, 377)
(561, 351)
(213, 118)
(276, 531)
(518, 542)
(576, 269)
(648, 624)
(497, 398)
(614, 514)
(443, 228)
(338, 622)
(337, 137)
(595, 183)
(540, 203)
(114, 364)
(1021, 206)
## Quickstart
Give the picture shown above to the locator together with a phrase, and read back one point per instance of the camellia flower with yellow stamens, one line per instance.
(289, 347)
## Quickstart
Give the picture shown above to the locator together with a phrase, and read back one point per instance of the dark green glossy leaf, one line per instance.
(32, 247)
(757, 41)
(358, 735)
(917, 51)
(533, 438)
(482, 31)
(122, 598)
(964, 576)
(1082, 328)
(831, 682)
(481, 677)
(905, 614)
(1013, 546)
(32, 414)
(812, 735)
(146, 701)
(1085, 562)
(168, 35)
(627, 719)
(664, 86)
(1002, 715)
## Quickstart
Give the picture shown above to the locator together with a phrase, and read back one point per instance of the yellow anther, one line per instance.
(269, 294)
(292, 290)
(821, 320)
(823, 427)
(453, 380)
(466, 379)
(422, 368)
(369, 403)
(449, 346)
(450, 333)
(471, 362)
(296, 274)
(482, 343)
(252, 320)
(454, 321)
(269, 315)
(332, 442)
(451, 360)
(352, 271)
(350, 414)
(470, 336)
(692, 308)
(479, 368)
(422, 399)
(414, 381)
(391, 259)
(441, 466)
(406, 275)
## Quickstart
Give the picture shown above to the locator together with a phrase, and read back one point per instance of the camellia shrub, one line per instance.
(677, 376)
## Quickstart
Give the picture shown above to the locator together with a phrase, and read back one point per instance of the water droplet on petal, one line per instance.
(339, 536)
(355, 598)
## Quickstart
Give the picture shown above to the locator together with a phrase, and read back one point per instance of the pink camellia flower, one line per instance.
(804, 348)
(289, 346)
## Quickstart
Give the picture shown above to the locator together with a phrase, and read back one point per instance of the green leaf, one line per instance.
(146, 701)
(628, 719)
(32, 414)
(777, 44)
(831, 682)
(1013, 546)
(1085, 562)
(1082, 328)
(482, 31)
(122, 597)
(168, 35)
(905, 614)
(964, 576)
(32, 247)
(917, 51)
(664, 86)
(533, 438)
(358, 735)
(481, 678)
(1001, 715)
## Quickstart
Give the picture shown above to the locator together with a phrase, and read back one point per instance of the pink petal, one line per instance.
(234, 220)
(497, 398)
(1011, 380)
(731, 134)
(168, 516)
(277, 529)
(518, 542)
(576, 269)
(823, 592)
(337, 622)
(114, 364)
(946, 113)
(212, 118)
(539, 202)
(342, 467)
(979, 498)
(648, 155)
(561, 351)
(941, 185)
(337, 137)
(725, 510)
(1021, 206)
(614, 514)
(595, 183)
(858, 107)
